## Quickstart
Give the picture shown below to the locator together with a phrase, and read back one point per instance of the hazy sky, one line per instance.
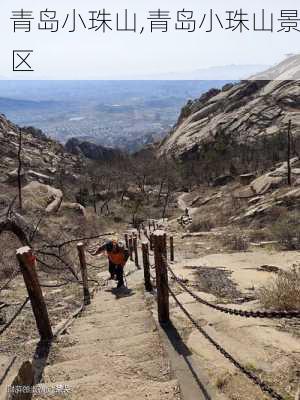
(87, 54)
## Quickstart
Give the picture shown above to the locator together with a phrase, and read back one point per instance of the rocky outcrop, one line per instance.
(243, 112)
(91, 150)
(43, 159)
(77, 208)
(38, 196)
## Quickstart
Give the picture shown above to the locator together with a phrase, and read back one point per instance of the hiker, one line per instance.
(117, 256)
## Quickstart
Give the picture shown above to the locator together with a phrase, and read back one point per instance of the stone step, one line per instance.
(110, 388)
(116, 306)
(114, 318)
(88, 334)
(142, 348)
(156, 369)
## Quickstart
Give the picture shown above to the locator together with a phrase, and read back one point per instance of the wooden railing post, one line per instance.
(130, 248)
(151, 241)
(27, 265)
(165, 246)
(83, 268)
(161, 276)
(171, 248)
(147, 277)
(126, 240)
(136, 254)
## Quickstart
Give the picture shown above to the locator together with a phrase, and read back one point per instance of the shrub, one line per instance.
(236, 240)
(201, 224)
(287, 231)
(259, 235)
(283, 292)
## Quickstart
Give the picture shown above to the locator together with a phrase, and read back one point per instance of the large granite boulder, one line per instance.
(39, 196)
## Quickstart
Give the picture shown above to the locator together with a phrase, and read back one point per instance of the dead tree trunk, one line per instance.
(94, 197)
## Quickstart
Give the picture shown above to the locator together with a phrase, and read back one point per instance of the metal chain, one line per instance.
(14, 316)
(255, 379)
(233, 311)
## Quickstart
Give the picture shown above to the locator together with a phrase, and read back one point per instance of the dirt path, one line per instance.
(266, 347)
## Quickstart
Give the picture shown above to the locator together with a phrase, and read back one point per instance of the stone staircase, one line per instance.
(111, 352)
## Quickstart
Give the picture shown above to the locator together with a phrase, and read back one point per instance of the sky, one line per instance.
(90, 54)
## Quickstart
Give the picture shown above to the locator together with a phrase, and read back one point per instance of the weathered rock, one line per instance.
(292, 195)
(76, 207)
(12, 176)
(244, 193)
(44, 197)
(246, 179)
(40, 177)
(255, 200)
(223, 180)
(266, 182)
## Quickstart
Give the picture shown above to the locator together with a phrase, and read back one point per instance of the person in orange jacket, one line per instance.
(117, 256)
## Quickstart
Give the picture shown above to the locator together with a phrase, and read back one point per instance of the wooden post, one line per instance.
(130, 248)
(151, 241)
(27, 265)
(171, 248)
(82, 260)
(165, 246)
(161, 276)
(147, 277)
(139, 231)
(136, 254)
(126, 240)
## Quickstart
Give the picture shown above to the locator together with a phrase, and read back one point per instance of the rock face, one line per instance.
(91, 150)
(242, 112)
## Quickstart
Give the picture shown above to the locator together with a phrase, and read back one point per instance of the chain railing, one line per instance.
(162, 268)
(234, 311)
(254, 378)
(16, 314)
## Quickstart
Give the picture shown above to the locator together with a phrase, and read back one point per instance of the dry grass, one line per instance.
(283, 292)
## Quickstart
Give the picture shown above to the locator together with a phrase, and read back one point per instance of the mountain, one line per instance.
(121, 114)
(91, 150)
(13, 105)
(241, 113)
(227, 72)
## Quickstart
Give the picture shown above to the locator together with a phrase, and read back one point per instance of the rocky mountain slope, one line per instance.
(42, 157)
(243, 112)
(91, 150)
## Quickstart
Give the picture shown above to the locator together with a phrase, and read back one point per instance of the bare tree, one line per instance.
(289, 170)
(20, 171)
